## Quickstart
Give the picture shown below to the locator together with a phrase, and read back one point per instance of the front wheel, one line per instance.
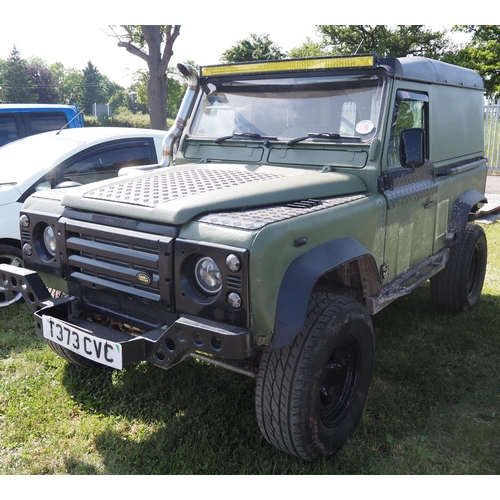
(13, 256)
(310, 395)
(72, 357)
(457, 288)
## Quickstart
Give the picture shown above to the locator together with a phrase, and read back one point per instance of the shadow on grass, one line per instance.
(436, 377)
(192, 419)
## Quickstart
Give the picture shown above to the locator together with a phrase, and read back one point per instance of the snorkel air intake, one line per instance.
(182, 116)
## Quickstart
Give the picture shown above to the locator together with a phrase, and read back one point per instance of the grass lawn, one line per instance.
(434, 407)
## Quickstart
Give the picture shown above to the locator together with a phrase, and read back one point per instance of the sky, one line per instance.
(117, 64)
(54, 33)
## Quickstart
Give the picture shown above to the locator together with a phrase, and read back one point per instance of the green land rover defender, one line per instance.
(302, 198)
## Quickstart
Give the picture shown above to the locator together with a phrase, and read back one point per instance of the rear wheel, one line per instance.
(310, 395)
(13, 256)
(457, 288)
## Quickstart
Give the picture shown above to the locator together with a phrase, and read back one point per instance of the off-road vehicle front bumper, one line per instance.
(62, 321)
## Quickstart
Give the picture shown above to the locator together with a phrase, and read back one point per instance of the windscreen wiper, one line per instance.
(244, 135)
(321, 135)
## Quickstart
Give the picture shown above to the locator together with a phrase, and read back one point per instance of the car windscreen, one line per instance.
(19, 160)
(286, 108)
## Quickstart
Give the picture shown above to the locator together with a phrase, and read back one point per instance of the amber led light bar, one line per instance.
(357, 61)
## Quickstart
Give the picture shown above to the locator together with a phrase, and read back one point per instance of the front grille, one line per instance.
(122, 273)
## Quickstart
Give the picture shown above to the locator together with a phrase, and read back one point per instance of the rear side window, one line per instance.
(105, 162)
(8, 129)
(45, 122)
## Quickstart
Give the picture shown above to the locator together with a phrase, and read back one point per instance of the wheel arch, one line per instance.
(466, 204)
(307, 270)
(10, 242)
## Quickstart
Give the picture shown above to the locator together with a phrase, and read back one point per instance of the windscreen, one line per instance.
(287, 108)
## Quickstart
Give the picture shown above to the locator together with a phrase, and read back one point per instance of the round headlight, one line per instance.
(49, 241)
(208, 276)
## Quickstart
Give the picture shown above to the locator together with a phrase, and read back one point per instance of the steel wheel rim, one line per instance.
(340, 383)
(8, 297)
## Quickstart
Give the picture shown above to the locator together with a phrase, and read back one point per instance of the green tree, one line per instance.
(119, 99)
(482, 54)
(92, 89)
(175, 85)
(255, 48)
(69, 81)
(309, 48)
(138, 92)
(45, 84)
(109, 88)
(401, 40)
(154, 44)
(17, 85)
(3, 65)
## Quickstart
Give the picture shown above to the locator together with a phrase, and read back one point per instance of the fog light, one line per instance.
(27, 249)
(24, 220)
(233, 263)
(234, 300)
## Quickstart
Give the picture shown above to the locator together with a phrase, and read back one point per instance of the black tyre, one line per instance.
(13, 256)
(311, 394)
(72, 357)
(458, 286)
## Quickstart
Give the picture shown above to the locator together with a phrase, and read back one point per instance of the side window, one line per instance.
(8, 129)
(45, 122)
(105, 162)
(410, 111)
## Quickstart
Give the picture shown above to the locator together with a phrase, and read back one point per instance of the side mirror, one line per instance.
(412, 147)
(67, 184)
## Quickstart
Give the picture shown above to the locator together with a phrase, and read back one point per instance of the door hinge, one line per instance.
(384, 270)
(386, 181)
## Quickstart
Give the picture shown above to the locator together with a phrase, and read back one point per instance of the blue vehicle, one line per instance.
(21, 120)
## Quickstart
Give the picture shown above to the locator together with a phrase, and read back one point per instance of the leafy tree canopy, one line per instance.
(175, 84)
(17, 84)
(309, 48)
(92, 88)
(255, 48)
(153, 44)
(385, 41)
(482, 54)
(44, 82)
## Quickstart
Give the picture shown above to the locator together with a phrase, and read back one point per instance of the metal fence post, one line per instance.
(492, 136)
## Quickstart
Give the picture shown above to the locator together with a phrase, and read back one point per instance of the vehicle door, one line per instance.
(408, 186)
(98, 163)
(104, 161)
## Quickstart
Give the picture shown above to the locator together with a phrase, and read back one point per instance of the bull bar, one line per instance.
(163, 347)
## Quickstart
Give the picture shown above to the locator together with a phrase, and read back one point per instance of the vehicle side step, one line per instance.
(407, 282)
